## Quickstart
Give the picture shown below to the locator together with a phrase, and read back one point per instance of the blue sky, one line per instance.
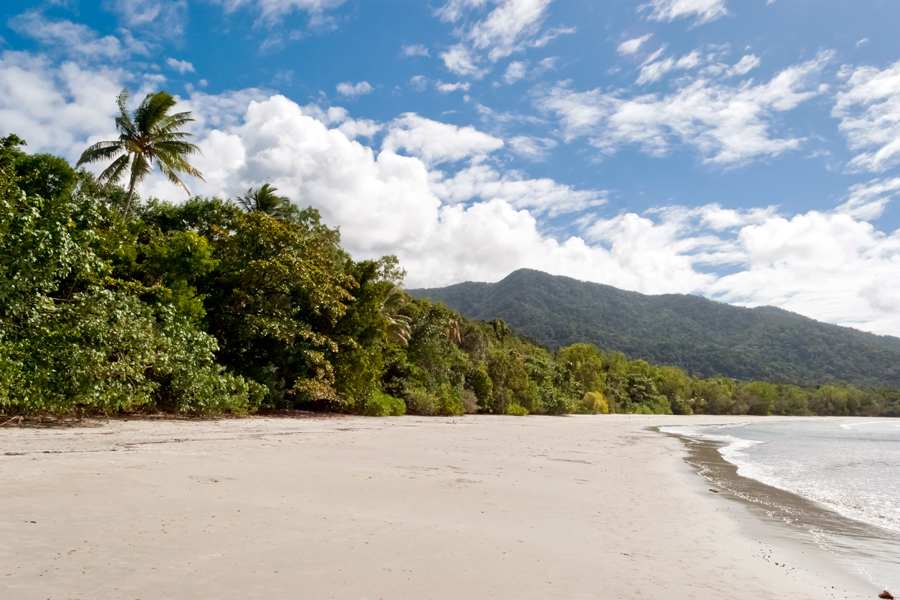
(740, 149)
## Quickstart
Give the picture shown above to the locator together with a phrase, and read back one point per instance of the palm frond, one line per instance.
(100, 151)
(113, 172)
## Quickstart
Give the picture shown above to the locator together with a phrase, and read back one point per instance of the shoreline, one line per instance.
(803, 522)
(356, 507)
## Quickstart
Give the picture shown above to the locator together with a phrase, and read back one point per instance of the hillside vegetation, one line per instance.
(703, 337)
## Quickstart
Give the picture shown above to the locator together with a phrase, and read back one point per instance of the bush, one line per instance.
(449, 401)
(593, 403)
(420, 401)
(379, 404)
(469, 401)
(516, 410)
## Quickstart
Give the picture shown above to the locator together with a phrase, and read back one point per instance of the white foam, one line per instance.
(862, 502)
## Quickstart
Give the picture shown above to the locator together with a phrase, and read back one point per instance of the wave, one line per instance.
(797, 474)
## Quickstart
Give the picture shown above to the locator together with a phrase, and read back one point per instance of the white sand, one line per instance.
(396, 508)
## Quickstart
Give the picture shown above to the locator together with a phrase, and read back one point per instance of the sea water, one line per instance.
(848, 471)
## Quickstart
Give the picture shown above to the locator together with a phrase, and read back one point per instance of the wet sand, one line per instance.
(394, 508)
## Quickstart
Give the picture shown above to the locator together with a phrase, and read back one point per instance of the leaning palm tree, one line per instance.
(146, 135)
(398, 325)
(264, 199)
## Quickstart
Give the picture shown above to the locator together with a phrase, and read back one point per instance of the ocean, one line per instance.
(836, 482)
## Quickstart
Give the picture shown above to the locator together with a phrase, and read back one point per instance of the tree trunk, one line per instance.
(130, 195)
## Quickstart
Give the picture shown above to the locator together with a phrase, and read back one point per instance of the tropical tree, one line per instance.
(265, 200)
(398, 325)
(146, 135)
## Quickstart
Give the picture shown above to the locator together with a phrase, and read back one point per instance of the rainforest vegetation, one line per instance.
(111, 303)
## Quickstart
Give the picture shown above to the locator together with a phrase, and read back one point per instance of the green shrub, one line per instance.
(517, 410)
(379, 404)
(420, 401)
(449, 401)
(593, 403)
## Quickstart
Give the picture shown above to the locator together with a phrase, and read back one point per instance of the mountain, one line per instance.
(701, 336)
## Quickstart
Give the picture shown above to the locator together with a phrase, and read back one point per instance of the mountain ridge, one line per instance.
(702, 336)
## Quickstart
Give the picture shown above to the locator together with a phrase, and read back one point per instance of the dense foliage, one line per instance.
(703, 337)
(215, 306)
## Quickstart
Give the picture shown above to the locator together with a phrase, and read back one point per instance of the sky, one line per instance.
(743, 150)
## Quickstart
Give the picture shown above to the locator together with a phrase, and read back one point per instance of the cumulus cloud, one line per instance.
(446, 88)
(727, 125)
(57, 108)
(512, 26)
(434, 142)
(541, 196)
(349, 89)
(632, 46)
(869, 109)
(414, 50)
(703, 11)
(75, 39)
(182, 66)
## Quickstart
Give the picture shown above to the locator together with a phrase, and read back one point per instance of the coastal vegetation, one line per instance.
(111, 303)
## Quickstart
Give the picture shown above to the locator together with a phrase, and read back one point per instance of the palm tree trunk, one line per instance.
(130, 195)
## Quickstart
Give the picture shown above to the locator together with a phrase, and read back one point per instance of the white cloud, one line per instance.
(533, 148)
(273, 10)
(458, 59)
(862, 42)
(515, 71)
(743, 66)
(727, 125)
(656, 70)
(869, 109)
(434, 142)
(631, 46)
(182, 66)
(75, 39)
(419, 83)
(348, 89)
(57, 108)
(541, 196)
(446, 88)
(166, 18)
(512, 26)
(415, 50)
(454, 10)
(826, 265)
(669, 10)
(867, 201)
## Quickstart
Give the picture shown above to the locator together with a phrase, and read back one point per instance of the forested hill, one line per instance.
(703, 337)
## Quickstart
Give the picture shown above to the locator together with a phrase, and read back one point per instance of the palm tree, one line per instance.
(264, 199)
(398, 325)
(147, 134)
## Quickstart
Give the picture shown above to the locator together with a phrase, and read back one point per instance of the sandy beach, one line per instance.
(393, 508)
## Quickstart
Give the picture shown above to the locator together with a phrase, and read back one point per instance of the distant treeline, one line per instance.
(216, 306)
